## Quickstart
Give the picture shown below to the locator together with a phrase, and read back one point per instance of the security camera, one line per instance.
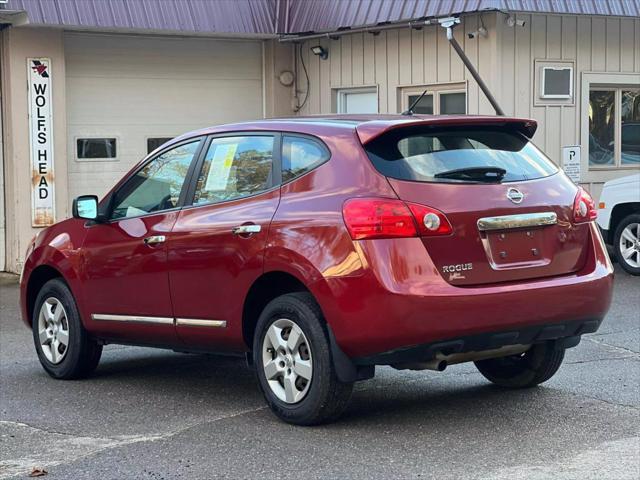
(512, 22)
(481, 32)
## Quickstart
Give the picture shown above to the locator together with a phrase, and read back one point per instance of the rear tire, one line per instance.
(292, 396)
(65, 349)
(628, 252)
(535, 366)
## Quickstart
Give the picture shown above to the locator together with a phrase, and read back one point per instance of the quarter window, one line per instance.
(614, 127)
(235, 167)
(157, 185)
(299, 155)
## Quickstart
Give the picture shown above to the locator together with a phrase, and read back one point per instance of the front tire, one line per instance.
(64, 348)
(293, 362)
(535, 366)
(626, 241)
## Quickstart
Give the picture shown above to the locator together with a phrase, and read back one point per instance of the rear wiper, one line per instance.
(475, 174)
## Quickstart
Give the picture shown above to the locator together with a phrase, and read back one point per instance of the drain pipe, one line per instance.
(448, 24)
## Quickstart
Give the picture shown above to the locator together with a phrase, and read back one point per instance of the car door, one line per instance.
(217, 244)
(126, 283)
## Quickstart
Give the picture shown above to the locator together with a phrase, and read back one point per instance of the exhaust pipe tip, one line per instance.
(441, 365)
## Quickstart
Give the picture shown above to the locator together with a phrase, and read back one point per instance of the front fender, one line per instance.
(57, 248)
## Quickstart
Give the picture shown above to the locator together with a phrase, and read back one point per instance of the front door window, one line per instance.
(157, 185)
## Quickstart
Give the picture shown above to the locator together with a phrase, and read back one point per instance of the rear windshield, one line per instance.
(424, 155)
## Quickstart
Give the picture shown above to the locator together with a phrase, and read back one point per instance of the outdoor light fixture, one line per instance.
(481, 32)
(320, 51)
(512, 22)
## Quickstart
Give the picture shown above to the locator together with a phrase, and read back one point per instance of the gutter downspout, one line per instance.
(448, 24)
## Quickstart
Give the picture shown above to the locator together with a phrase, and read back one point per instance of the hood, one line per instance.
(623, 180)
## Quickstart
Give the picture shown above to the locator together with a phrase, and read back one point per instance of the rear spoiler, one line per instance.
(369, 131)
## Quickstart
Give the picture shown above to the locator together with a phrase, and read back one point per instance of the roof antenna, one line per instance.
(409, 111)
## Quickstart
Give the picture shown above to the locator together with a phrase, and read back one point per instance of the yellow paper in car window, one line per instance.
(221, 163)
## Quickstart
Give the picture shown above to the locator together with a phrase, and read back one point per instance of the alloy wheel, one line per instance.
(630, 245)
(53, 330)
(287, 361)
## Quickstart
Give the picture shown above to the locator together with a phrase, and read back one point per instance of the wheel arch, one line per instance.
(264, 289)
(38, 277)
(619, 212)
(272, 284)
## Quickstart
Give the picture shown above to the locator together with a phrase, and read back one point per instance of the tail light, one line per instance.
(584, 208)
(387, 218)
(431, 222)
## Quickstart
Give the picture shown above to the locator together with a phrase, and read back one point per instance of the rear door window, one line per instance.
(235, 167)
(424, 155)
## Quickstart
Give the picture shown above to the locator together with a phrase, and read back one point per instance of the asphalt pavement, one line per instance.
(155, 414)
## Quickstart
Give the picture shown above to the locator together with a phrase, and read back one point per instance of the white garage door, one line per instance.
(123, 91)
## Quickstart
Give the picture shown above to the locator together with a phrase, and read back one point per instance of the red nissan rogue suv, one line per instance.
(322, 247)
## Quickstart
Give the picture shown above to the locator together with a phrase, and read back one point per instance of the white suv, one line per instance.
(619, 220)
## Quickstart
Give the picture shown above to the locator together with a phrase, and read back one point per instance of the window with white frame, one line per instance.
(557, 82)
(441, 99)
(614, 127)
(554, 82)
(357, 100)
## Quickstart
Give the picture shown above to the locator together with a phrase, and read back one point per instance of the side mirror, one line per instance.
(85, 206)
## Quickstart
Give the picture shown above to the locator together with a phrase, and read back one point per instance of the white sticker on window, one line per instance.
(220, 167)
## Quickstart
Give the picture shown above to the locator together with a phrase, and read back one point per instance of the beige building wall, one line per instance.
(393, 59)
(18, 44)
(277, 58)
(601, 45)
(3, 232)
(399, 58)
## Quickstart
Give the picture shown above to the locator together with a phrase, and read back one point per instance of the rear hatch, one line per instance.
(510, 208)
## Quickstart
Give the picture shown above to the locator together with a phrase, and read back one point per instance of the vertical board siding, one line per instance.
(401, 57)
(594, 44)
(417, 56)
(357, 59)
(627, 41)
(471, 47)
(393, 59)
(392, 71)
(404, 51)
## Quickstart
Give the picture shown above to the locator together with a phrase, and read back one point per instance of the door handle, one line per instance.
(246, 229)
(154, 239)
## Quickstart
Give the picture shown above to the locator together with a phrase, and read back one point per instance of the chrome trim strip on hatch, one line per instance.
(198, 322)
(131, 318)
(522, 220)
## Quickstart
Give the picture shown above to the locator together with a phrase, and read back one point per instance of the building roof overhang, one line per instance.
(272, 18)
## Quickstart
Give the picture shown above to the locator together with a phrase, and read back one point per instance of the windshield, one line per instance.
(429, 155)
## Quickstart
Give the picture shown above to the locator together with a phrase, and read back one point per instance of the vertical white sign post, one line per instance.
(571, 162)
(41, 142)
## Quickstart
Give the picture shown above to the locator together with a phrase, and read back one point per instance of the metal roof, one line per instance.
(271, 17)
(254, 17)
(331, 15)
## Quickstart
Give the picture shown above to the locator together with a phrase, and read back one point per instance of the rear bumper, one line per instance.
(399, 302)
(484, 341)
